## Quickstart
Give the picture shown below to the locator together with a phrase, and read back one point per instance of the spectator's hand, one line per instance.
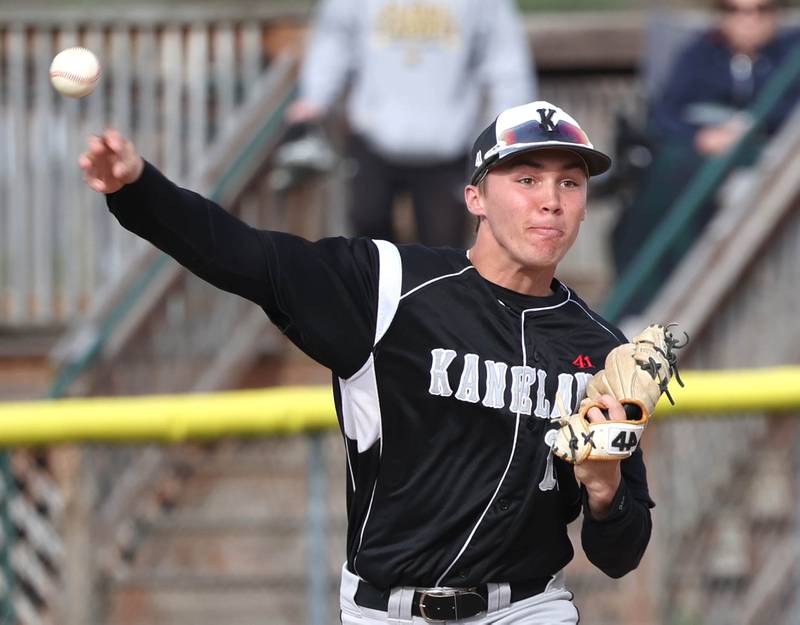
(716, 140)
(111, 162)
(601, 477)
(301, 111)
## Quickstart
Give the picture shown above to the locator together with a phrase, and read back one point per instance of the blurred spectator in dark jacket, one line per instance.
(701, 111)
(720, 73)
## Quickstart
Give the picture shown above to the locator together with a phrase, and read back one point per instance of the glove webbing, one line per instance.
(652, 367)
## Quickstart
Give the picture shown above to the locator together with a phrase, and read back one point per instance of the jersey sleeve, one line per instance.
(616, 543)
(322, 295)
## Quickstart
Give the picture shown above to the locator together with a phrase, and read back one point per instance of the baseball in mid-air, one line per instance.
(74, 72)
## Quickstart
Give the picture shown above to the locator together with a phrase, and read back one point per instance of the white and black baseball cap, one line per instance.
(534, 126)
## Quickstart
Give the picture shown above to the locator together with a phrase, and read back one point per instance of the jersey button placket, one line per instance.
(533, 357)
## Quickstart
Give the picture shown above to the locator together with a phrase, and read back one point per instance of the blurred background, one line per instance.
(251, 530)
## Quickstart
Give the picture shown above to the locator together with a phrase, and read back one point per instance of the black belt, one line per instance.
(447, 604)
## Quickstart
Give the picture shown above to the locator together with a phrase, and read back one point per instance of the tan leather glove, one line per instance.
(636, 374)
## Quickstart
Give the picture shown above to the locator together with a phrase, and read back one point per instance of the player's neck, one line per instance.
(497, 267)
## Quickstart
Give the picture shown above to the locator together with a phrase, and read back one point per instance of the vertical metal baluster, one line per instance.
(316, 530)
(7, 616)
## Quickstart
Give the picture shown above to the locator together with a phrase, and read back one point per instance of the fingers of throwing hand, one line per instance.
(127, 165)
(90, 175)
(85, 162)
(97, 184)
(96, 164)
(98, 146)
(110, 162)
(117, 143)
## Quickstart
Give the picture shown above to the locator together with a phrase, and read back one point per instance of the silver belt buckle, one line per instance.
(443, 591)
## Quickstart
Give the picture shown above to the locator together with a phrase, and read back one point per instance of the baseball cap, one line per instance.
(534, 126)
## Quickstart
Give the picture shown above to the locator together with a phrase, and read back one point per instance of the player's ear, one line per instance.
(474, 200)
(585, 199)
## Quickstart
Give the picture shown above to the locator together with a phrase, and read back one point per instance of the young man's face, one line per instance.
(533, 206)
(748, 25)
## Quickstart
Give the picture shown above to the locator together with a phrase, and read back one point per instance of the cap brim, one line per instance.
(596, 162)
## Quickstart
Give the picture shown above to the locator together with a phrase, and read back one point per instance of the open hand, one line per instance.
(111, 162)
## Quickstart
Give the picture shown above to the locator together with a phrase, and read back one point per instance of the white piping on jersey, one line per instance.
(516, 426)
(587, 313)
(489, 505)
(349, 464)
(424, 284)
(361, 410)
(570, 300)
(364, 526)
(508, 464)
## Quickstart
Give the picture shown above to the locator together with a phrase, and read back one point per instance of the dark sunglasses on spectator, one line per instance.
(759, 9)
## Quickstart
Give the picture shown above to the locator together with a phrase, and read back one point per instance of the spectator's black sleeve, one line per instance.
(616, 543)
(322, 295)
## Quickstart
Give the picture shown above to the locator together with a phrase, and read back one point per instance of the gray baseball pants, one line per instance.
(552, 607)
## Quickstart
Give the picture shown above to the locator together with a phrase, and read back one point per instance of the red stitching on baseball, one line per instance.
(76, 77)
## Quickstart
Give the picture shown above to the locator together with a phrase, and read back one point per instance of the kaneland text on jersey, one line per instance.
(521, 382)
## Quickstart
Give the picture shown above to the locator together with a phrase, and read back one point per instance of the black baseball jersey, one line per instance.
(445, 389)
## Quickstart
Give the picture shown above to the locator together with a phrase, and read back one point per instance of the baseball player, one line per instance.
(447, 365)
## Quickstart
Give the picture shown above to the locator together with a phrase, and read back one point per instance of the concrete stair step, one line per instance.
(262, 456)
(209, 581)
(231, 550)
(243, 547)
(24, 379)
(244, 495)
(252, 601)
(25, 370)
(255, 479)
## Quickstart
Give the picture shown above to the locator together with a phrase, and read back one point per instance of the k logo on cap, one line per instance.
(546, 119)
(535, 126)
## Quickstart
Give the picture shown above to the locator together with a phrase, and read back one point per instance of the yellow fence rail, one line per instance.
(176, 418)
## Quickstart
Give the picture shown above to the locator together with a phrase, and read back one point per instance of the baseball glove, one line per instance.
(636, 374)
